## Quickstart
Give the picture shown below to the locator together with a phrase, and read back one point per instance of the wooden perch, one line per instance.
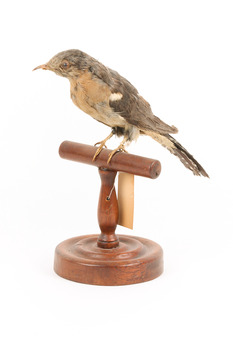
(124, 162)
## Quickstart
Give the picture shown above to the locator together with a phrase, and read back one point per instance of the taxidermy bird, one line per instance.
(112, 100)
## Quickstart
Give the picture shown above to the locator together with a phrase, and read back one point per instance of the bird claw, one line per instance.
(102, 144)
(99, 149)
(121, 148)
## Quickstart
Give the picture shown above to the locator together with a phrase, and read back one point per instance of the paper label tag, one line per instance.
(126, 199)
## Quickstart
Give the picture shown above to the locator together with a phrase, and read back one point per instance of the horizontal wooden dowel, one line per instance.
(125, 162)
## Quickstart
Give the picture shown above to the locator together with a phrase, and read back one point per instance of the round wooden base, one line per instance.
(135, 260)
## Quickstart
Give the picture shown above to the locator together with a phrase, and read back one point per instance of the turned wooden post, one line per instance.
(107, 210)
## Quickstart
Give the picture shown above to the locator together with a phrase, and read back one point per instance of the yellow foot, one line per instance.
(102, 144)
(120, 148)
(99, 149)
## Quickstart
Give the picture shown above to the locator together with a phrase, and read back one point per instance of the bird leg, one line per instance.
(101, 144)
(120, 148)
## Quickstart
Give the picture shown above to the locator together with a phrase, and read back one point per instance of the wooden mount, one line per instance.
(109, 259)
(135, 260)
(107, 210)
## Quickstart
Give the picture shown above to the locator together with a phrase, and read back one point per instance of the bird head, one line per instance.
(67, 64)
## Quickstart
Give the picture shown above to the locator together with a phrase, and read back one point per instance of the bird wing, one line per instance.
(131, 106)
(134, 108)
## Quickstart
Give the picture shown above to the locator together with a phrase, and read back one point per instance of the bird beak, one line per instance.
(42, 66)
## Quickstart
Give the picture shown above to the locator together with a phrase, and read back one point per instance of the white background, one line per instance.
(179, 56)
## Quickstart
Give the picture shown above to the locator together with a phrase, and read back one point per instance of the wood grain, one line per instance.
(107, 210)
(125, 162)
(135, 260)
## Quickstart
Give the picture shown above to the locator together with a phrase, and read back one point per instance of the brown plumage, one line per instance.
(112, 100)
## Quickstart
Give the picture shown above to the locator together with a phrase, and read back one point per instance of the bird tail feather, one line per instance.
(178, 150)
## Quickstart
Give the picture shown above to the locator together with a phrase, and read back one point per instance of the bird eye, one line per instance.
(65, 64)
